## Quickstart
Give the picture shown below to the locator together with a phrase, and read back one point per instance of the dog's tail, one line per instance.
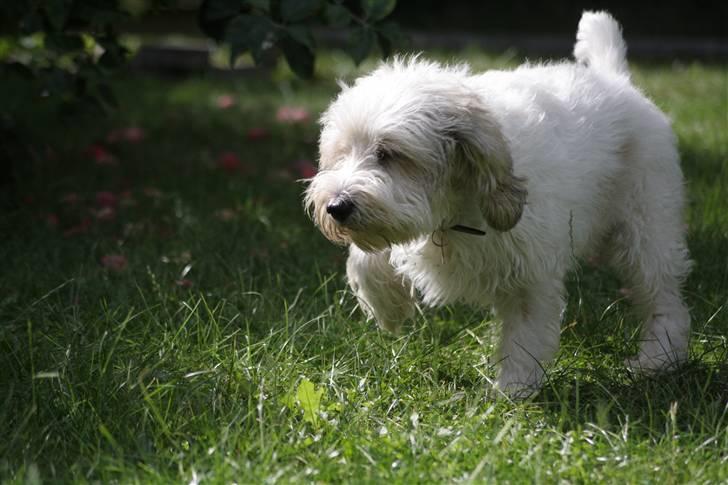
(599, 43)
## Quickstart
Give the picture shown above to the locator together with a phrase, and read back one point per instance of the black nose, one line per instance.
(340, 208)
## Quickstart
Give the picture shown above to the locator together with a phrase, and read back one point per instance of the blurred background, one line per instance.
(654, 30)
(668, 18)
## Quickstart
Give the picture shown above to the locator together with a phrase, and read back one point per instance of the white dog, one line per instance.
(485, 188)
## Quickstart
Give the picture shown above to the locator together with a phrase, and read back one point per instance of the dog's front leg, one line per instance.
(530, 336)
(382, 294)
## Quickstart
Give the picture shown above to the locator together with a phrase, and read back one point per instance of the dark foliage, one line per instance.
(67, 48)
(267, 28)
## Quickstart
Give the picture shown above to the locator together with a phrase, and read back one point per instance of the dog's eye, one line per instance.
(381, 154)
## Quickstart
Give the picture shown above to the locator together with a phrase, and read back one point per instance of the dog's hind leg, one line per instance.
(650, 251)
(530, 336)
(654, 270)
(382, 294)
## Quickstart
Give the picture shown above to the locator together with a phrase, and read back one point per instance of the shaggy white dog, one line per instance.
(485, 188)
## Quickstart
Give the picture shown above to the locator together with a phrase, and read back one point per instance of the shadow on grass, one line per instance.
(692, 398)
(607, 394)
(699, 163)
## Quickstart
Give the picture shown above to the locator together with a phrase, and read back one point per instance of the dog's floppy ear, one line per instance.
(487, 159)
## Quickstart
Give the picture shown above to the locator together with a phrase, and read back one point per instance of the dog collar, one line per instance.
(468, 230)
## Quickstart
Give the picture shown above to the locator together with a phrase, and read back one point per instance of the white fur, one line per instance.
(555, 162)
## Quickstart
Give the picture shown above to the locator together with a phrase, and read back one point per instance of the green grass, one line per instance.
(262, 370)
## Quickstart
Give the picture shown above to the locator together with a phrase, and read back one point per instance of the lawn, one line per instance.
(168, 313)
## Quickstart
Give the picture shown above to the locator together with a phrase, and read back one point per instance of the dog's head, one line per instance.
(405, 150)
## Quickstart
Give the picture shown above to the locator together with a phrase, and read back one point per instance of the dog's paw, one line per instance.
(389, 314)
(646, 364)
(517, 391)
(382, 295)
(520, 385)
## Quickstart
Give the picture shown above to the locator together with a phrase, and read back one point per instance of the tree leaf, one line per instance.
(377, 9)
(289, 400)
(337, 15)
(360, 44)
(298, 10)
(389, 35)
(60, 42)
(302, 34)
(104, 14)
(213, 16)
(212, 10)
(263, 5)
(107, 96)
(57, 12)
(16, 69)
(299, 56)
(112, 59)
(309, 399)
(56, 81)
(31, 23)
(252, 33)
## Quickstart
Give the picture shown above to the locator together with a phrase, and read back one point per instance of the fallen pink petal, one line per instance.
(229, 162)
(184, 283)
(261, 253)
(106, 214)
(280, 174)
(305, 169)
(50, 153)
(134, 134)
(225, 101)
(126, 199)
(292, 114)
(226, 214)
(113, 136)
(131, 229)
(257, 134)
(152, 192)
(131, 134)
(128, 202)
(114, 262)
(51, 220)
(106, 199)
(70, 198)
(99, 154)
(80, 228)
